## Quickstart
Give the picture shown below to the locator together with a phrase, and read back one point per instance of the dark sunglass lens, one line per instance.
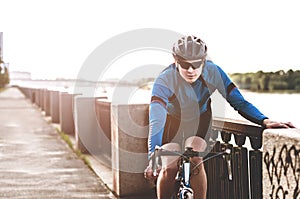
(185, 65)
(197, 64)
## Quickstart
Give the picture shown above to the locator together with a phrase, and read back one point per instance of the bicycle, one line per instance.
(183, 175)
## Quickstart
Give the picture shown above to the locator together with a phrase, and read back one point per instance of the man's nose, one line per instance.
(190, 69)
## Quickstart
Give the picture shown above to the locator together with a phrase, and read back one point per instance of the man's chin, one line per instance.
(190, 80)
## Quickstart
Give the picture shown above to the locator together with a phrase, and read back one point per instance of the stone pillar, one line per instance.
(47, 102)
(129, 148)
(35, 95)
(103, 113)
(54, 106)
(40, 98)
(66, 113)
(89, 136)
(281, 163)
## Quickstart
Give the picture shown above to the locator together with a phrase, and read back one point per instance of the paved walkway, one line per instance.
(34, 161)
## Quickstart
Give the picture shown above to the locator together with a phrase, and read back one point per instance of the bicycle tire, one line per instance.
(186, 193)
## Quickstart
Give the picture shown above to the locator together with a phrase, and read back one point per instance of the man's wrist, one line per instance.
(266, 121)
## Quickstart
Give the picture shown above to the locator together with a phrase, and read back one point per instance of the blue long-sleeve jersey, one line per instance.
(171, 94)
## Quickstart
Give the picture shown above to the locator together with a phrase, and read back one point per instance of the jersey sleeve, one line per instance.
(234, 97)
(157, 113)
(157, 120)
(245, 108)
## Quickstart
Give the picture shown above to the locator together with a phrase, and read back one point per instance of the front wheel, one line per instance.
(186, 193)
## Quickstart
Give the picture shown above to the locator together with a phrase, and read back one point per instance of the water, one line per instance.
(280, 107)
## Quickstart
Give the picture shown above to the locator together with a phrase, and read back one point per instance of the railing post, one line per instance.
(256, 173)
(240, 168)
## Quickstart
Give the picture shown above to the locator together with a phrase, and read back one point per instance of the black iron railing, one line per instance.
(246, 161)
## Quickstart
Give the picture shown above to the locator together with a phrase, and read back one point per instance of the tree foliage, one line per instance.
(268, 81)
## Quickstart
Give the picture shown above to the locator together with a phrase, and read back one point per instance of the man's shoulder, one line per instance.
(210, 65)
(170, 69)
(167, 78)
(212, 73)
(168, 72)
(210, 68)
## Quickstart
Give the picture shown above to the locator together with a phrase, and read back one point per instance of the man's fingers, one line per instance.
(290, 125)
(280, 125)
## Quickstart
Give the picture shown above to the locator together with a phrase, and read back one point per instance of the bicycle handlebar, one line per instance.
(189, 153)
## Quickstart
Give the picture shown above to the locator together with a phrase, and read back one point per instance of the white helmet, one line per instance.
(189, 48)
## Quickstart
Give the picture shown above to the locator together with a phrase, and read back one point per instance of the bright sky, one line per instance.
(52, 38)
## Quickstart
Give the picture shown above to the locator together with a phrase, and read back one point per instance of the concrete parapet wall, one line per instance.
(281, 163)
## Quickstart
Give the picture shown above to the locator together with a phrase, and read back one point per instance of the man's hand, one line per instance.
(148, 173)
(269, 124)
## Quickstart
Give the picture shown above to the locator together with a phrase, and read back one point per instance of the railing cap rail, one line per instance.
(238, 127)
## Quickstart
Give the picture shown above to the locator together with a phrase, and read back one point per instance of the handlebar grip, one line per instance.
(155, 160)
(154, 163)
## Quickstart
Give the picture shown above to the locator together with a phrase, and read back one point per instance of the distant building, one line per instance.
(18, 75)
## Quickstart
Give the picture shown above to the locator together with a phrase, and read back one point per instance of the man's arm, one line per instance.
(245, 108)
(157, 120)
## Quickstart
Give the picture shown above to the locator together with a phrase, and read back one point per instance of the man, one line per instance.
(180, 111)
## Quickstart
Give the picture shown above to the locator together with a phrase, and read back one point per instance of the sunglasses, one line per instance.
(194, 65)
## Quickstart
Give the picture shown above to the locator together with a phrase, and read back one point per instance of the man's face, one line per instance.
(190, 74)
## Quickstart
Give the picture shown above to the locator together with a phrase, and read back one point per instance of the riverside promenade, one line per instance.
(34, 161)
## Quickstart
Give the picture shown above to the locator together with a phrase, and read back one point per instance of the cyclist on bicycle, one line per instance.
(180, 111)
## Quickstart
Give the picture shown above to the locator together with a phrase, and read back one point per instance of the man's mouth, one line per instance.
(190, 76)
